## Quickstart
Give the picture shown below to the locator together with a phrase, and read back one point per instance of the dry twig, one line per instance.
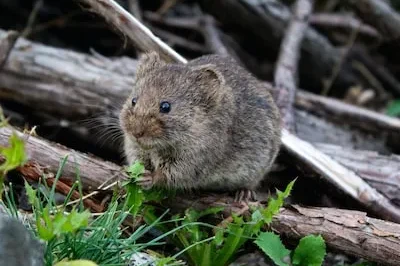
(380, 15)
(343, 21)
(139, 34)
(286, 70)
(7, 42)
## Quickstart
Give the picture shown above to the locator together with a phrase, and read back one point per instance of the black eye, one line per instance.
(134, 102)
(165, 107)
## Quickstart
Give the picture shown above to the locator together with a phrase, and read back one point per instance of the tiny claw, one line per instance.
(146, 181)
(245, 195)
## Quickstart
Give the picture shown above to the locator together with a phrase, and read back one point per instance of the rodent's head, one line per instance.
(170, 103)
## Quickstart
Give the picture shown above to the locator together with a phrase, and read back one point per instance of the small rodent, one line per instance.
(208, 124)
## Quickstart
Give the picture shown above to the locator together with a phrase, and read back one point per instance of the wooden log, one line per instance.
(352, 232)
(380, 171)
(46, 157)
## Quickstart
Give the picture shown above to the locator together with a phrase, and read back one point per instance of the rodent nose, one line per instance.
(138, 134)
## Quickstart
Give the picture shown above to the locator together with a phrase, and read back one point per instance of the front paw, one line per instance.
(146, 181)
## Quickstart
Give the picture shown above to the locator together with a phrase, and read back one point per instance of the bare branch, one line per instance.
(286, 69)
(329, 20)
(380, 15)
(343, 178)
(7, 42)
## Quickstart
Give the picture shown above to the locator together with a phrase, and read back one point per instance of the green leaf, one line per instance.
(31, 193)
(45, 225)
(272, 246)
(393, 108)
(274, 205)
(14, 154)
(135, 170)
(219, 237)
(310, 251)
(134, 198)
(71, 222)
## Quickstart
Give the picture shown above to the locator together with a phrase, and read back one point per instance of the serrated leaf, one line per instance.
(45, 232)
(71, 222)
(136, 170)
(256, 216)
(14, 154)
(310, 251)
(272, 246)
(79, 219)
(31, 193)
(219, 237)
(135, 198)
(274, 205)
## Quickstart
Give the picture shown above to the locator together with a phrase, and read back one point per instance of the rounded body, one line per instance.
(221, 131)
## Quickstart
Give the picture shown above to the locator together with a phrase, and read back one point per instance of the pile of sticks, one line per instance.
(341, 143)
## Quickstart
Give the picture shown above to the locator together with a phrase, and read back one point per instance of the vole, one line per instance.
(208, 124)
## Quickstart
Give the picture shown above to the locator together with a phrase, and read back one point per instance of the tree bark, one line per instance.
(45, 157)
(352, 232)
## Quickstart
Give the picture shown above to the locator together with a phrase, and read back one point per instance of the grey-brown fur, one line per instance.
(223, 130)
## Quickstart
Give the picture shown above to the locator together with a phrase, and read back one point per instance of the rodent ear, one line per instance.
(210, 80)
(148, 62)
(209, 73)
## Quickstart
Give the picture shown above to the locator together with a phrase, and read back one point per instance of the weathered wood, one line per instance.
(337, 110)
(268, 20)
(141, 36)
(6, 44)
(285, 79)
(380, 171)
(93, 171)
(379, 14)
(352, 232)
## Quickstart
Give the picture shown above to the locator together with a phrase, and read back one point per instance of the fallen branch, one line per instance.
(350, 231)
(285, 79)
(348, 22)
(141, 36)
(380, 171)
(342, 177)
(380, 15)
(339, 111)
(268, 21)
(45, 156)
(6, 44)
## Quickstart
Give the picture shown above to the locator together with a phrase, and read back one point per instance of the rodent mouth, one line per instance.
(145, 144)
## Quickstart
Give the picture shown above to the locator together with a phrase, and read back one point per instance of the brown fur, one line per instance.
(223, 130)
